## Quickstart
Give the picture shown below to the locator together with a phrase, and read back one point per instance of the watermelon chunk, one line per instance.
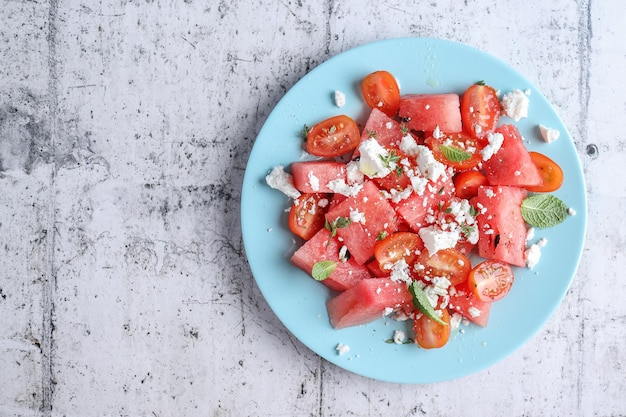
(376, 214)
(387, 131)
(367, 301)
(322, 247)
(512, 164)
(502, 230)
(427, 111)
(314, 176)
(463, 301)
(415, 209)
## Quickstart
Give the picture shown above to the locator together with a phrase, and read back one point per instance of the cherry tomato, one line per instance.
(445, 263)
(480, 110)
(306, 215)
(333, 137)
(400, 245)
(380, 90)
(457, 150)
(550, 171)
(490, 280)
(429, 334)
(466, 183)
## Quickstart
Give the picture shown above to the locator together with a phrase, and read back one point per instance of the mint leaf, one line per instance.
(454, 154)
(420, 301)
(338, 223)
(323, 269)
(543, 210)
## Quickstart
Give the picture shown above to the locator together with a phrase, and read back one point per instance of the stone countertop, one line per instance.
(125, 128)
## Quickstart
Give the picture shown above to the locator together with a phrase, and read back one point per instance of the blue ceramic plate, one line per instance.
(421, 66)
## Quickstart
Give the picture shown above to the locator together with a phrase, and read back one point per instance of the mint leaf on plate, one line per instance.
(454, 154)
(323, 269)
(420, 301)
(543, 210)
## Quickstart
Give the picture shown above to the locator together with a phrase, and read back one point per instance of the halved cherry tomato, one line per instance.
(446, 262)
(490, 280)
(457, 150)
(306, 215)
(466, 183)
(550, 171)
(400, 245)
(429, 334)
(333, 137)
(380, 90)
(480, 110)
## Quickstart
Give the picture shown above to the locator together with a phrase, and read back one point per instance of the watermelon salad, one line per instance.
(423, 213)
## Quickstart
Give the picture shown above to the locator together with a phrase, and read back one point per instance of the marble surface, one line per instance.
(125, 128)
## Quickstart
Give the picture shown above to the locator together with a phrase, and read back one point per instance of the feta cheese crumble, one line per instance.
(371, 159)
(436, 239)
(342, 349)
(340, 99)
(533, 253)
(495, 142)
(282, 181)
(428, 165)
(515, 104)
(398, 337)
(548, 134)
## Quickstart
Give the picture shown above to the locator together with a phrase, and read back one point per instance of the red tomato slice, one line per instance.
(400, 245)
(333, 137)
(306, 216)
(480, 110)
(429, 334)
(466, 183)
(445, 263)
(380, 90)
(550, 171)
(490, 280)
(457, 150)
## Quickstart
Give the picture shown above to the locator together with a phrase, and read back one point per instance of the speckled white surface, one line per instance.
(125, 128)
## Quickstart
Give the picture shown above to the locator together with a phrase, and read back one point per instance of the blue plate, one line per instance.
(421, 66)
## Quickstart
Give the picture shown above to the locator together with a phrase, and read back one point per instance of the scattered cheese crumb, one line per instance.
(340, 99)
(548, 134)
(342, 349)
(533, 253)
(515, 105)
(282, 181)
(398, 337)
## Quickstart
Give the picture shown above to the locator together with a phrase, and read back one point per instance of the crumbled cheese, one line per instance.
(495, 142)
(489, 193)
(342, 349)
(533, 253)
(388, 311)
(398, 337)
(357, 217)
(548, 134)
(436, 239)
(339, 186)
(515, 104)
(409, 146)
(399, 271)
(571, 211)
(473, 311)
(397, 196)
(455, 321)
(314, 182)
(437, 133)
(282, 181)
(323, 202)
(530, 234)
(353, 173)
(340, 99)
(371, 159)
(389, 125)
(428, 165)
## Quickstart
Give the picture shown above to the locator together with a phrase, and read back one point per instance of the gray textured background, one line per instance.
(125, 128)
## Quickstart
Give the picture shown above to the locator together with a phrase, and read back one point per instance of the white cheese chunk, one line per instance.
(515, 104)
(548, 134)
(494, 144)
(282, 181)
(436, 239)
(428, 165)
(371, 159)
(340, 99)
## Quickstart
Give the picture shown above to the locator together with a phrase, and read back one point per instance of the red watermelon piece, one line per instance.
(427, 111)
(314, 176)
(502, 230)
(367, 301)
(323, 247)
(463, 301)
(512, 164)
(378, 216)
